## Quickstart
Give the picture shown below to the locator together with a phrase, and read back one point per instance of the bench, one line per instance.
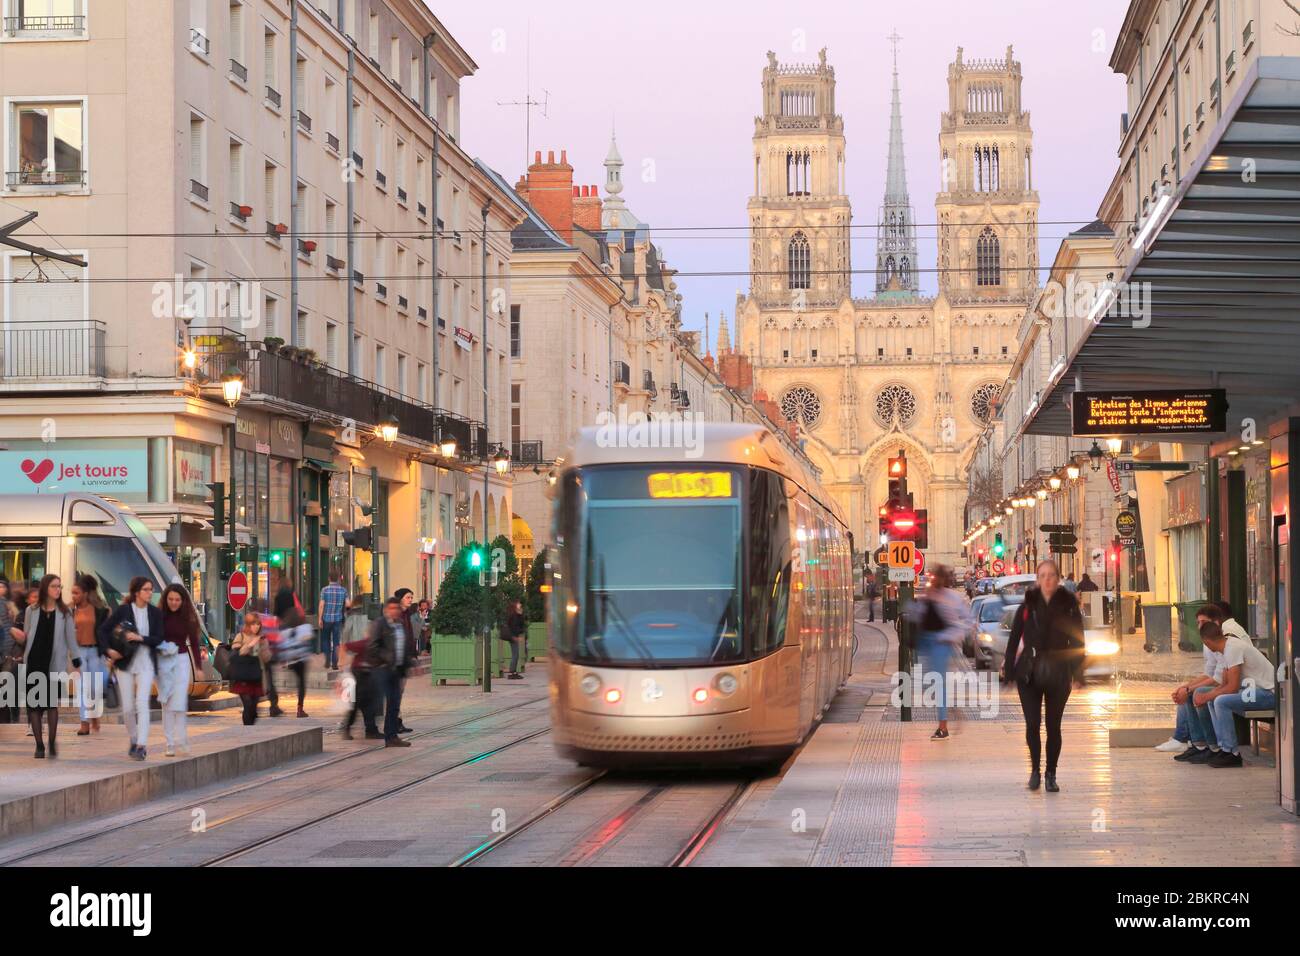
(1254, 718)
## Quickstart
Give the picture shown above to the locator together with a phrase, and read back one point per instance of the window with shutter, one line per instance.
(237, 32)
(196, 149)
(268, 59)
(236, 173)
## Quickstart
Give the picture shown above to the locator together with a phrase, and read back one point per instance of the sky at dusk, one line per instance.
(682, 83)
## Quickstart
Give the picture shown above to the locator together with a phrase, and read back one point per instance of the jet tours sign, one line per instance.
(1150, 412)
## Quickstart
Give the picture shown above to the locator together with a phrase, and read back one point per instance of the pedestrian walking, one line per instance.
(514, 630)
(1087, 584)
(271, 635)
(364, 693)
(50, 654)
(391, 654)
(943, 620)
(295, 640)
(333, 606)
(423, 618)
(250, 652)
(873, 592)
(132, 634)
(406, 600)
(1045, 655)
(11, 652)
(89, 612)
(180, 657)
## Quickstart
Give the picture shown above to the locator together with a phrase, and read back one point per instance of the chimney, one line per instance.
(551, 192)
(586, 208)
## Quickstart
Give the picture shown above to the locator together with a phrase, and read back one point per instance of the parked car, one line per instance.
(1099, 654)
(986, 611)
(1014, 584)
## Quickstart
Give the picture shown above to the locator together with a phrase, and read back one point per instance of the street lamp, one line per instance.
(1055, 483)
(1072, 471)
(1114, 446)
(1042, 492)
(1095, 455)
(232, 387)
(446, 445)
(388, 429)
(501, 461)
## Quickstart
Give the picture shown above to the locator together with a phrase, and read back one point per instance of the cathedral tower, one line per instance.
(987, 208)
(799, 213)
(896, 275)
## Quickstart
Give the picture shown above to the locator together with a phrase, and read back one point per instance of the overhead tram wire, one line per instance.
(465, 277)
(656, 230)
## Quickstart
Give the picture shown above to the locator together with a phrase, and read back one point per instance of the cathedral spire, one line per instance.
(724, 335)
(896, 275)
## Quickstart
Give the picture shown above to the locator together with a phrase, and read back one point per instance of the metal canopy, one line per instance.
(1224, 276)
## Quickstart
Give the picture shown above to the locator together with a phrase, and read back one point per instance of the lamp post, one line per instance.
(232, 390)
(483, 306)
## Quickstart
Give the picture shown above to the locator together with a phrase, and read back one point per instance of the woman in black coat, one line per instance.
(1045, 654)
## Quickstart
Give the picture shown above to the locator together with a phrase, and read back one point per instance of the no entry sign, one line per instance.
(237, 590)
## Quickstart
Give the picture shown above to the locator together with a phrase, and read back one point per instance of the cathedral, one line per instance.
(865, 377)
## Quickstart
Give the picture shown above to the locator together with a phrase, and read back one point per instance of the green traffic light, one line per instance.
(475, 559)
(277, 558)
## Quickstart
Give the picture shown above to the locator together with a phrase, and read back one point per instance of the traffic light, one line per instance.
(475, 559)
(897, 468)
(998, 548)
(218, 508)
(275, 559)
(362, 538)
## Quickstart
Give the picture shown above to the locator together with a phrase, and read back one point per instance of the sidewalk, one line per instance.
(879, 792)
(93, 775)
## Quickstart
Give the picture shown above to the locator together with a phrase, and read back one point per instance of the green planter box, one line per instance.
(537, 641)
(456, 658)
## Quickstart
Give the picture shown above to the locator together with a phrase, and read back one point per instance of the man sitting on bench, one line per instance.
(1182, 695)
(1246, 682)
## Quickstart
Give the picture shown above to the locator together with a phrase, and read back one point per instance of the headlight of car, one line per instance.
(1102, 648)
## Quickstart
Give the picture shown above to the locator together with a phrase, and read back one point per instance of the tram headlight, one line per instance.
(589, 684)
(727, 683)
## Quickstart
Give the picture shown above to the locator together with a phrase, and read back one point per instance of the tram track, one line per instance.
(280, 777)
(597, 839)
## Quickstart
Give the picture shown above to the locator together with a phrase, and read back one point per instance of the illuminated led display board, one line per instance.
(1153, 412)
(690, 484)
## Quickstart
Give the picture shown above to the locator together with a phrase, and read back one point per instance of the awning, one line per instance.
(1224, 273)
(322, 465)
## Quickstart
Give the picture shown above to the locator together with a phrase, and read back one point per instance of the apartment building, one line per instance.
(275, 190)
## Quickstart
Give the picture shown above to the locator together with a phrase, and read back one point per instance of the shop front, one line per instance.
(268, 450)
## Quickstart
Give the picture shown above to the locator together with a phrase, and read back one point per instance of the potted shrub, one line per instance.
(459, 614)
(272, 343)
(535, 607)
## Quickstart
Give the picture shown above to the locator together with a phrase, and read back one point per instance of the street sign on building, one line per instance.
(1128, 466)
(1126, 524)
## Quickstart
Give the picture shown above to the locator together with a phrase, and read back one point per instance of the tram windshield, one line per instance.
(657, 555)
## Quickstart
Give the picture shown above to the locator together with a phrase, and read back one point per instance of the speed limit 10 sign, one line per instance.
(902, 554)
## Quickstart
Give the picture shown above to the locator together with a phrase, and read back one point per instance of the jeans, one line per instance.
(514, 654)
(936, 660)
(390, 684)
(175, 710)
(1224, 706)
(1200, 723)
(93, 679)
(134, 684)
(329, 642)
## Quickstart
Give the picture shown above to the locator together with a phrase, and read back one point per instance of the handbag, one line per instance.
(245, 668)
(221, 660)
(112, 699)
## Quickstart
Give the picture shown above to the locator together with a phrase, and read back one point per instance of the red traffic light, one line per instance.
(903, 521)
(898, 468)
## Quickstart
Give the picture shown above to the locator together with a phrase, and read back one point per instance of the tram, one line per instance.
(701, 607)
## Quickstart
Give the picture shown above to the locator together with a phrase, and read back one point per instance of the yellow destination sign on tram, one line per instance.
(690, 484)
